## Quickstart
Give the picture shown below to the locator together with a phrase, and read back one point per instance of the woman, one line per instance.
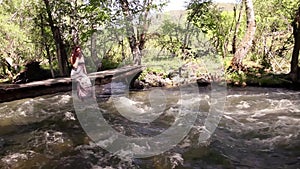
(79, 74)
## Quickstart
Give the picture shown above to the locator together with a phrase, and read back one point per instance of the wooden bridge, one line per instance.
(9, 92)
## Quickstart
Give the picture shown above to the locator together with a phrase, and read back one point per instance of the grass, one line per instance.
(163, 64)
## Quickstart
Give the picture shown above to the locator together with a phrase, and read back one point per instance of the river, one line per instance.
(258, 128)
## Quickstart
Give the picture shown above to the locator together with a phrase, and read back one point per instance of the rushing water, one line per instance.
(259, 129)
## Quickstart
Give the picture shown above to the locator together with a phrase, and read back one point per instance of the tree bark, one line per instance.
(60, 46)
(75, 35)
(136, 40)
(44, 42)
(123, 50)
(130, 30)
(294, 74)
(246, 43)
(237, 26)
(145, 23)
(186, 37)
(94, 54)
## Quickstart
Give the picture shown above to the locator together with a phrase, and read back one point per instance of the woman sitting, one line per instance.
(79, 74)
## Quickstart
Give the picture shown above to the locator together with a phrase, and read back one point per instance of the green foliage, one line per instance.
(204, 31)
(109, 64)
(273, 41)
(237, 77)
(214, 22)
(77, 18)
(15, 41)
(168, 38)
(25, 34)
(153, 70)
(203, 14)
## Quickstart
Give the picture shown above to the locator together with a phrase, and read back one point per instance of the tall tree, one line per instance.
(73, 22)
(136, 15)
(246, 43)
(46, 46)
(60, 46)
(237, 26)
(294, 73)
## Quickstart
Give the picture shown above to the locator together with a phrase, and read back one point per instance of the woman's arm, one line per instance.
(75, 65)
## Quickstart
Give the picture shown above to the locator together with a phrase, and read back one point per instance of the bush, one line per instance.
(109, 64)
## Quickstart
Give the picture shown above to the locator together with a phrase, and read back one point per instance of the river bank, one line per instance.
(186, 75)
(139, 78)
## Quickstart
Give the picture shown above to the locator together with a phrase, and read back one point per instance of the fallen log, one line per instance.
(9, 92)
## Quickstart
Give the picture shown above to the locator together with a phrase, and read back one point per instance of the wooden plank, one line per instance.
(9, 92)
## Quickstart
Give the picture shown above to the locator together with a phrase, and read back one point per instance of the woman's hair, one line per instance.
(74, 54)
(76, 47)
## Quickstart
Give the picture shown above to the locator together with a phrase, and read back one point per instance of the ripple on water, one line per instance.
(256, 125)
(21, 112)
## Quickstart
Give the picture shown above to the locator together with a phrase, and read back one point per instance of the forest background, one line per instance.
(252, 38)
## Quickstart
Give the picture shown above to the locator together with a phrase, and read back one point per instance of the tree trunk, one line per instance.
(145, 26)
(44, 42)
(186, 40)
(137, 55)
(120, 40)
(246, 43)
(130, 30)
(137, 41)
(50, 60)
(60, 46)
(123, 50)
(94, 54)
(237, 26)
(74, 29)
(294, 74)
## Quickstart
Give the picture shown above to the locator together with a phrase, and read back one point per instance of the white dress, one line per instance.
(84, 85)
